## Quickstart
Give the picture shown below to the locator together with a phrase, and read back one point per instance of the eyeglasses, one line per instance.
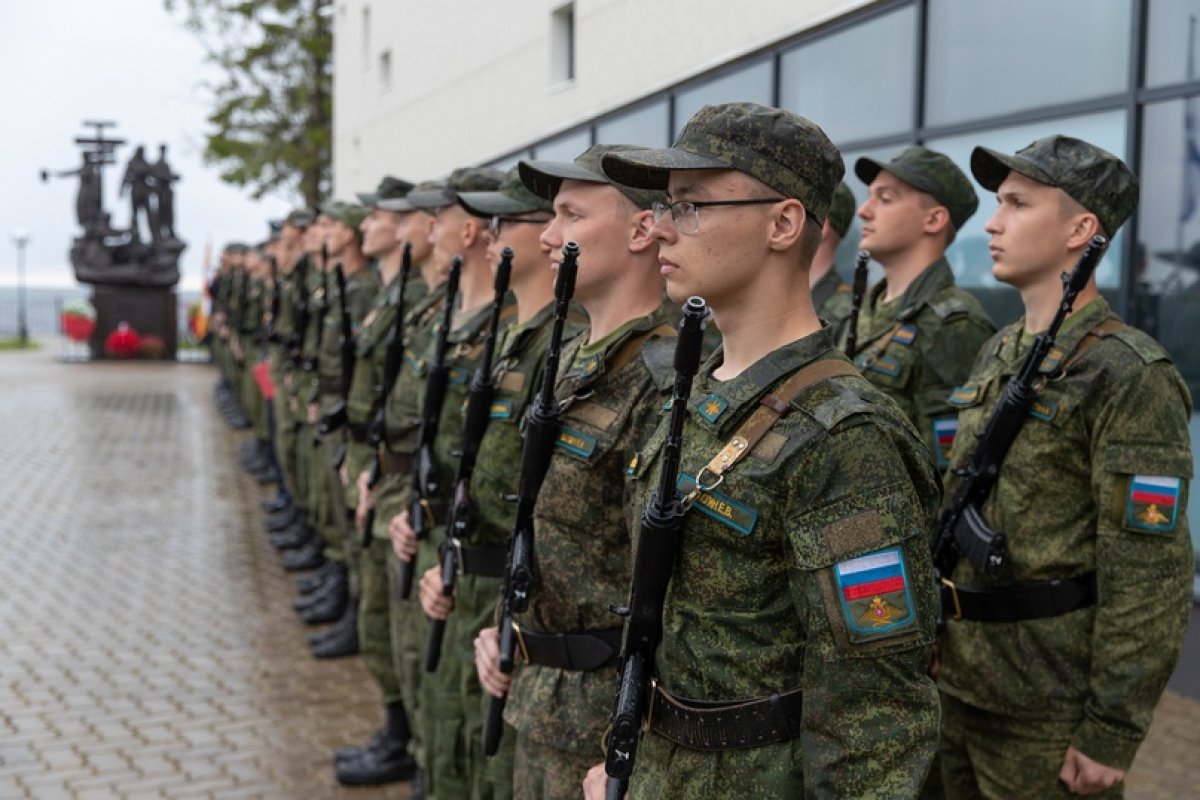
(686, 213)
(494, 222)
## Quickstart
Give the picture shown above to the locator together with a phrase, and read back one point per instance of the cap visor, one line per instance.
(367, 198)
(429, 201)
(867, 169)
(544, 177)
(651, 169)
(990, 168)
(395, 204)
(487, 204)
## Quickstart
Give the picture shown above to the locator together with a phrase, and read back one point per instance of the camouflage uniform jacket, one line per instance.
(1095, 482)
(807, 568)
(305, 382)
(361, 289)
(582, 528)
(941, 329)
(831, 299)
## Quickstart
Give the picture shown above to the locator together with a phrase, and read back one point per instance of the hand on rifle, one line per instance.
(1082, 775)
(344, 475)
(366, 500)
(596, 783)
(404, 538)
(487, 663)
(435, 604)
(314, 413)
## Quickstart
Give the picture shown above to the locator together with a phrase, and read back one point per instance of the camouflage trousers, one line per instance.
(986, 755)
(357, 456)
(303, 453)
(374, 626)
(544, 772)
(328, 511)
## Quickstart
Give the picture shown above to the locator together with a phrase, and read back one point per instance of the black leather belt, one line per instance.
(358, 433)
(395, 463)
(1022, 601)
(327, 385)
(486, 561)
(581, 651)
(699, 725)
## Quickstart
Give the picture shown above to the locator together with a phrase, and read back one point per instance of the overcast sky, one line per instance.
(127, 61)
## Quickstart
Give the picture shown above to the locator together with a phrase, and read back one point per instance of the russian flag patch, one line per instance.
(1153, 503)
(944, 431)
(874, 595)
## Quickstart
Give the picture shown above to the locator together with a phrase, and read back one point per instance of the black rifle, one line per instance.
(336, 416)
(962, 530)
(475, 423)
(296, 346)
(657, 549)
(269, 327)
(425, 483)
(310, 359)
(857, 291)
(541, 431)
(391, 371)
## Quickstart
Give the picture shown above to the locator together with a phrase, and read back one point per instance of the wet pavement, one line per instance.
(147, 643)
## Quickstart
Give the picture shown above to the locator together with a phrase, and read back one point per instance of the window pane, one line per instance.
(646, 126)
(838, 83)
(748, 84)
(986, 59)
(563, 148)
(1171, 34)
(968, 255)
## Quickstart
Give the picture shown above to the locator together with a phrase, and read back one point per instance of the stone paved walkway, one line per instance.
(147, 642)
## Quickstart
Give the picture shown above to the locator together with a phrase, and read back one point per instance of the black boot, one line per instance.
(329, 607)
(280, 502)
(342, 638)
(281, 520)
(336, 582)
(307, 584)
(394, 733)
(388, 761)
(293, 538)
(308, 557)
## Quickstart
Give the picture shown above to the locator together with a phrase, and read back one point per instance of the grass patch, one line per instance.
(16, 344)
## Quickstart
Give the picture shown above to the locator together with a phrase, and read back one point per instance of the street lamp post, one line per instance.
(20, 238)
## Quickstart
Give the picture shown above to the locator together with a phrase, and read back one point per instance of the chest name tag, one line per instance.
(575, 442)
(1153, 503)
(416, 364)
(502, 408)
(874, 594)
(963, 395)
(1043, 410)
(905, 334)
(882, 364)
(458, 376)
(720, 507)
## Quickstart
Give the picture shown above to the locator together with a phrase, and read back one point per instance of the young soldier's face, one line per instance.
(340, 236)
(523, 238)
(893, 216)
(721, 259)
(1029, 231)
(379, 233)
(414, 228)
(603, 222)
(448, 235)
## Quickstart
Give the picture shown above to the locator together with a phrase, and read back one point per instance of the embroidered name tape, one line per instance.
(905, 334)
(720, 507)
(1153, 503)
(501, 408)
(576, 442)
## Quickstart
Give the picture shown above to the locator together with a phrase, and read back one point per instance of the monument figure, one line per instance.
(139, 184)
(164, 211)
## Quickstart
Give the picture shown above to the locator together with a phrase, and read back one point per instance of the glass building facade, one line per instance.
(1124, 74)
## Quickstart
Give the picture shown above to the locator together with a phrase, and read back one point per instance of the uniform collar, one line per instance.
(1074, 328)
(579, 376)
(518, 339)
(933, 279)
(720, 405)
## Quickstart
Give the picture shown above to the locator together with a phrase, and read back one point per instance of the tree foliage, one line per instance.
(271, 122)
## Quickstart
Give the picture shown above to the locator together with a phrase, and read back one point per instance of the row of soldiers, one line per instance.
(400, 360)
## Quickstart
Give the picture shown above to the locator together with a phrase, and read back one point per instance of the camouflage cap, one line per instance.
(402, 204)
(783, 150)
(544, 178)
(511, 198)
(1093, 177)
(300, 218)
(931, 172)
(841, 209)
(388, 189)
(463, 179)
(349, 214)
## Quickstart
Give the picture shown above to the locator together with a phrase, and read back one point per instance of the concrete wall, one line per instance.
(471, 79)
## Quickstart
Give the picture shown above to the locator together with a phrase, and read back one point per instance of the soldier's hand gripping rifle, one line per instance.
(657, 549)
(296, 345)
(425, 484)
(962, 530)
(858, 290)
(391, 371)
(541, 431)
(336, 416)
(475, 423)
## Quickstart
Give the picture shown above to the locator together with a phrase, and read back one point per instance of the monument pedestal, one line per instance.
(151, 311)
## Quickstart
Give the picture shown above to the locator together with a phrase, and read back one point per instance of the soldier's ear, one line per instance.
(640, 238)
(472, 231)
(1083, 227)
(785, 223)
(936, 219)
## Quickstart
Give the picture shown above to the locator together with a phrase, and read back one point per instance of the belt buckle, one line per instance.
(521, 642)
(457, 544)
(949, 584)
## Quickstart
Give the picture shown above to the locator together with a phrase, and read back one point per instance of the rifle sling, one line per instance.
(1090, 339)
(772, 406)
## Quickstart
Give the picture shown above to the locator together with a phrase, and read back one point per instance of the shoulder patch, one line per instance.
(658, 354)
(1152, 505)
(875, 597)
(944, 431)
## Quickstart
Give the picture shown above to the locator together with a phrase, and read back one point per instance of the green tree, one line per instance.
(271, 123)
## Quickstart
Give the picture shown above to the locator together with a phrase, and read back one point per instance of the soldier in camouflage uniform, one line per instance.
(455, 233)
(918, 333)
(1048, 689)
(612, 383)
(831, 294)
(803, 591)
(516, 218)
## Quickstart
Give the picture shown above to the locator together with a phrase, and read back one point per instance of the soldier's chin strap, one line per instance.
(771, 407)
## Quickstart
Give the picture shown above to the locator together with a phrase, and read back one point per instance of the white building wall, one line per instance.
(471, 79)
